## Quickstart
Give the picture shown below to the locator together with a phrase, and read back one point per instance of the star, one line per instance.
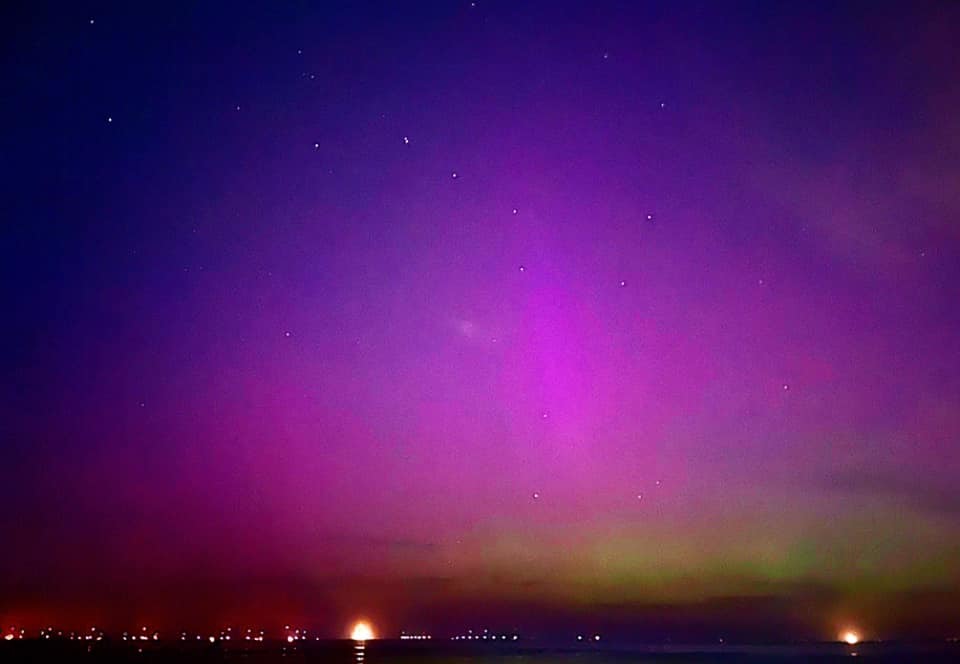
(406, 140)
(109, 119)
(544, 415)
(536, 495)
(785, 387)
(662, 105)
(514, 211)
(316, 146)
(622, 283)
(606, 56)
(454, 175)
(523, 269)
(639, 496)
(238, 107)
(649, 217)
(91, 21)
(287, 333)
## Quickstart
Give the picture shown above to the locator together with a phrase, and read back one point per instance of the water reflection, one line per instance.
(359, 650)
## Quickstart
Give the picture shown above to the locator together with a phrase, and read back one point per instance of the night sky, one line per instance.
(639, 317)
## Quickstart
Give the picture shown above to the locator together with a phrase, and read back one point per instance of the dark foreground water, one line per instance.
(387, 652)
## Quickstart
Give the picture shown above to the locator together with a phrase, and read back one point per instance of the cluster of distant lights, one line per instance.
(46, 634)
(361, 632)
(484, 636)
(293, 634)
(14, 633)
(144, 635)
(224, 635)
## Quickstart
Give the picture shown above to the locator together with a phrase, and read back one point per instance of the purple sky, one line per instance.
(447, 313)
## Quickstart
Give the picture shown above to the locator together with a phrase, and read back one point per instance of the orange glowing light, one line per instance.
(8, 637)
(362, 632)
(851, 638)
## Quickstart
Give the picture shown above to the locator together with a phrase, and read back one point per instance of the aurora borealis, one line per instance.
(636, 316)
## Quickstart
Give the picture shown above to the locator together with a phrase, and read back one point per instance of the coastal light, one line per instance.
(851, 638)
(361, 632)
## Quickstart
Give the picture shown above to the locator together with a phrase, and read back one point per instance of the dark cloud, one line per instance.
(915, 489)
